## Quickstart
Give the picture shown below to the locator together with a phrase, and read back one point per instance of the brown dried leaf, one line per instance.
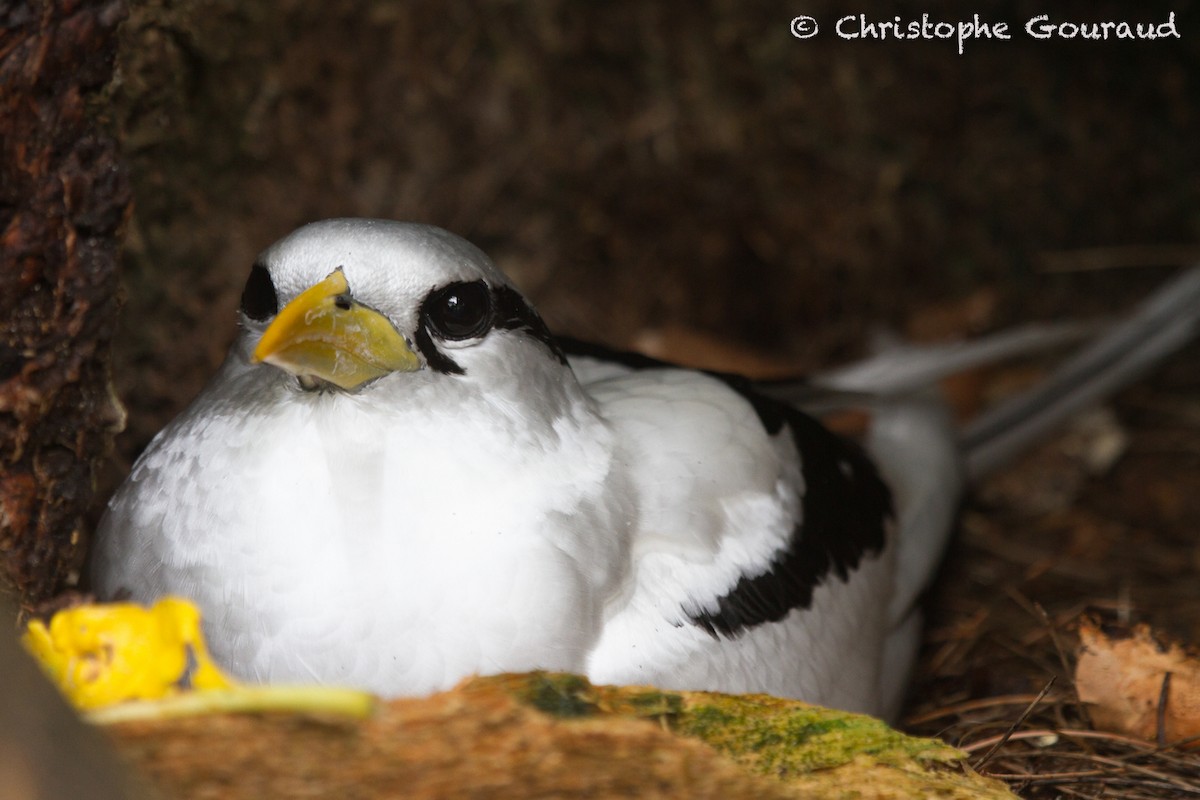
(1137, 683)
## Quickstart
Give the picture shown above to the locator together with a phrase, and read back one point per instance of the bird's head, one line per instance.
(344, 302)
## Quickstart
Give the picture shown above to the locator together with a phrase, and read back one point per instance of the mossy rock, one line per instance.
(817, 751)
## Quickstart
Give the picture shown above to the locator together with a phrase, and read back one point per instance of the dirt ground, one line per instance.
(696, 168)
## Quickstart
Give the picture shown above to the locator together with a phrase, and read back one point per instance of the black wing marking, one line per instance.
(844, 516)
(845, 509)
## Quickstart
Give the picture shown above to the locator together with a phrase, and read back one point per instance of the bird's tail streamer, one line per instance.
(1113, 355)
(1161, 325)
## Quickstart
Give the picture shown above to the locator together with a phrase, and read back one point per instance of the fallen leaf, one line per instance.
(1137, 683)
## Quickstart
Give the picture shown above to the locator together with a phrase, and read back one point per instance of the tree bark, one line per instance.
(63, 197)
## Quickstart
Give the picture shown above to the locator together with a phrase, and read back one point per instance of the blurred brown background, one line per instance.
(643, 165)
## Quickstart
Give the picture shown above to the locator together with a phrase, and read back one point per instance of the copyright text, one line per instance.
(1042, 26)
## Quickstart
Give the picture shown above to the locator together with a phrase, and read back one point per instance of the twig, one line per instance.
(1080, 706)
(1037, 733)
(1020, 721)
(1160, 718)
(968, 706)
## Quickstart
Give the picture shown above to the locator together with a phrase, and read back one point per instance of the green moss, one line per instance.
(781, 738)
(559, 694)
(767, 734)
(653, 703)
(818, 752)
(772, 736)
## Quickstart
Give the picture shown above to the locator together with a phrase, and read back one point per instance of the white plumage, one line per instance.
(416, 486)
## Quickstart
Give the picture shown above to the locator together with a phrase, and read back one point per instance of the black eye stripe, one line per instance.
(456, 312)
(514, 314)
(259, 301)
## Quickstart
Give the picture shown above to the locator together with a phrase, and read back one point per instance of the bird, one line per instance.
(400, 478)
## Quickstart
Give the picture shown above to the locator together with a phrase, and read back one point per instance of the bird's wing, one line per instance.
(909, 436)
(747, 510)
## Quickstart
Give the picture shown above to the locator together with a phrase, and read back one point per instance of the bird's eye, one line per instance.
(458, 311)
(259, 301)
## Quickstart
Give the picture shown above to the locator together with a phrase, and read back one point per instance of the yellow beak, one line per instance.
(325, 334)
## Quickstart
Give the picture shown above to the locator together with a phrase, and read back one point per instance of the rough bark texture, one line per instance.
(63, 196)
